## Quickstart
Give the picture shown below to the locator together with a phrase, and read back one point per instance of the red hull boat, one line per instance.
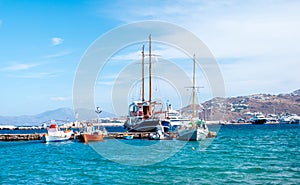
(92, 137)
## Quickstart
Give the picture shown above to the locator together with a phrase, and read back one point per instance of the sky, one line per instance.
(255, 43)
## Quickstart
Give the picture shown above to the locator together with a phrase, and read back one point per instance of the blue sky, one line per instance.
(256, 44)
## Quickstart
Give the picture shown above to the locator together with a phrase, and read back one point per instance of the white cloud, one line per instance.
(56, 41)
(38, 75)
(106, 83)
(128, 56)
(60, 98)
(229, 28)
(59, 54)
(18, 67)
(165, 52)
(261, 75)
(262, 35)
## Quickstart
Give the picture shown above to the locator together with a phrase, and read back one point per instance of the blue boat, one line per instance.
(128, 136)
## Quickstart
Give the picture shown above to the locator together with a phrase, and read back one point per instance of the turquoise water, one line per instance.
(241, 154)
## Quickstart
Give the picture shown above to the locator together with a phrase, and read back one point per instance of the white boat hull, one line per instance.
(55, 138)
(192, 134)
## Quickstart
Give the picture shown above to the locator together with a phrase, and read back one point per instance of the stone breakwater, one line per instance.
(20, 137)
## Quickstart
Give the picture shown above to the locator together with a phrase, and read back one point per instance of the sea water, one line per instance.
(240, 154)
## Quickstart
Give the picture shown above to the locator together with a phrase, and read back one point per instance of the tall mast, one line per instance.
(143, 78)
(194, 87)
(150, 70)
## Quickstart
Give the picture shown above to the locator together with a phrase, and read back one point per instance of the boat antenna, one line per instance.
(143, 78)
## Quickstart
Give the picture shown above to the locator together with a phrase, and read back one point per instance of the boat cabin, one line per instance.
(139, 109)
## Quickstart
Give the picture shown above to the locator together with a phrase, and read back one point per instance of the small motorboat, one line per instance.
(128, 136)
(159, 134)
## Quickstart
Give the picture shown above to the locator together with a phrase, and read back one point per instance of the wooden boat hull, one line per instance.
(92, 137)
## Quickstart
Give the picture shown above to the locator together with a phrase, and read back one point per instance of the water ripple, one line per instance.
(246, 154)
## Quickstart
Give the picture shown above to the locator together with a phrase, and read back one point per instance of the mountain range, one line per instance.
(231, 108)
(61, 115)
(234, 108)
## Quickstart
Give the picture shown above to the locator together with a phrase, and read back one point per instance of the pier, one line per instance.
(136, 135)
(116, 135)
(20, 137)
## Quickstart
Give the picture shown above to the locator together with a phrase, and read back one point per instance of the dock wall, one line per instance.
(20, 137)
(117, 135)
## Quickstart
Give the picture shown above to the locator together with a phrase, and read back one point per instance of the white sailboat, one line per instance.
(196, 130)
(141, 116)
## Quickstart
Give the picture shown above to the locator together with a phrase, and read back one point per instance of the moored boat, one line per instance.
(142, 115)
(92, 137)
(258, 118)
(159, 134)
(195, 130)
(54, 134)
(289, 119)
(93, 133)
(128, 136)
(174, 119)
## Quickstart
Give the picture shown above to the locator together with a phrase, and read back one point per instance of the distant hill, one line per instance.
(234, 108)
(61, 114)
(231, 108)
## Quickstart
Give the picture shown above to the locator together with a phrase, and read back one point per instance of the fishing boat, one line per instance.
(54, 134)
(93, 133)
(195, 130)
(141, 116)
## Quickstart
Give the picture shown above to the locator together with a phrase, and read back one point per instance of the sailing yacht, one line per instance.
(141, 116)
(195, 130)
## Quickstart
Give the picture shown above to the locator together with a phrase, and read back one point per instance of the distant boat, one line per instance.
(174, 119)
(141, 115)
(289, 119)
(196, 130)
(259, 119)
(56, 135)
